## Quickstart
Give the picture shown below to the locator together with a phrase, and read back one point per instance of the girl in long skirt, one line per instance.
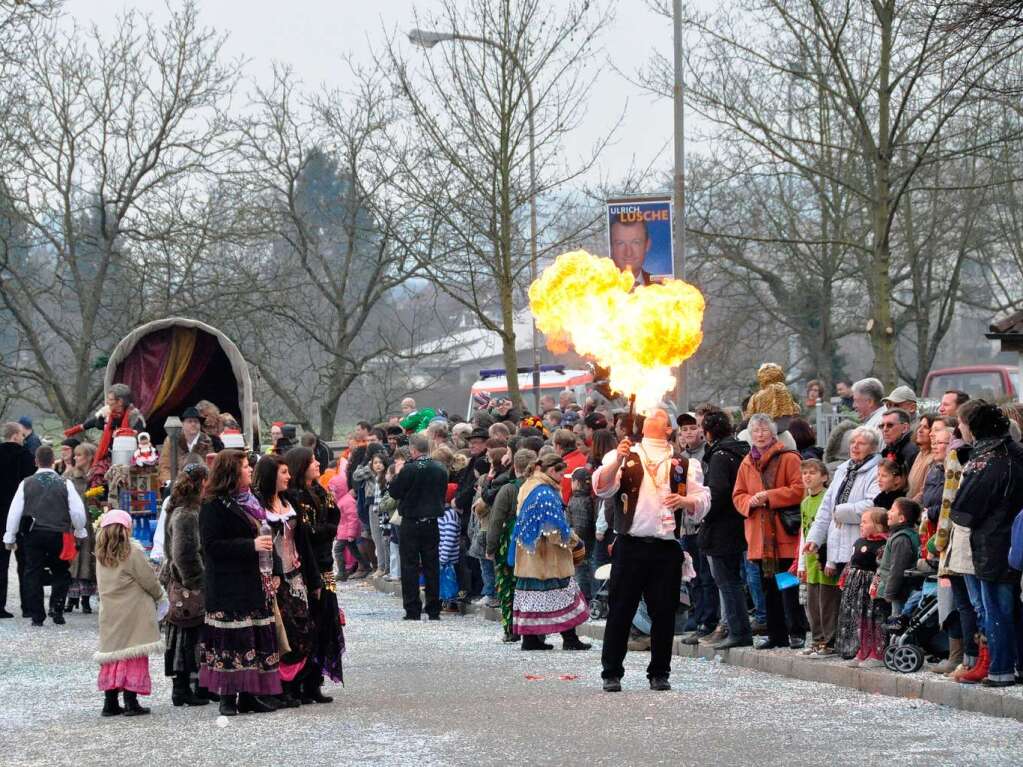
(861, 617)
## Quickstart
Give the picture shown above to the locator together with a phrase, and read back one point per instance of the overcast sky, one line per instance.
(311, 35)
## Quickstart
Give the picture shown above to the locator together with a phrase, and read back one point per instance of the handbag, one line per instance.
(791, 517)
(448, 582)
(187, 606)
(579, 554)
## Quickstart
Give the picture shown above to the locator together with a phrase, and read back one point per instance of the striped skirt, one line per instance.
(547, 606)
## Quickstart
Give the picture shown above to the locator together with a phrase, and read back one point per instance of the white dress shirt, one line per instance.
(646, 521)
(76, 508)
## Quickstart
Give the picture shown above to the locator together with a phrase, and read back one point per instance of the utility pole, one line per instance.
(678, 219)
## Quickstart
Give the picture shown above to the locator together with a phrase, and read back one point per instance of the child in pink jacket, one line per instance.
(349, 529)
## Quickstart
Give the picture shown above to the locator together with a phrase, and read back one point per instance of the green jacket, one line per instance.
(900, 553)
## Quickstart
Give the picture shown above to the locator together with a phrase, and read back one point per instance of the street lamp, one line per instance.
(173, 428)
(427, 39)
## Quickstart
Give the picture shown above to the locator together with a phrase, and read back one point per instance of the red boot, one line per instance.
(979, 670)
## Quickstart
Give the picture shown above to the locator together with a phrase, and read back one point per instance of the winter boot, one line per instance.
(287, 698)
(570, 641)
(72, 603)
(131, 705)
(86, 607)
(955, 657)
(980, 668)
(111, 706)
(182, 694)
(311, 690)
(535, 642)
(229, 705)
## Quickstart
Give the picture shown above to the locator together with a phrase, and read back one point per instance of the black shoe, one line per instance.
(131, 705)
(311, 690)
(534, 642)
(182, 694)
(509, 637)
(58, 619)
(228, 705)
(286, 700)
(574, 643)
(412, 617)
(86, 607)
(71, 605)
(987, 682)
(38, 622)
(111, 706)
(613, 685)
(729, 642)
(5, 614)
(659, 683)
(796, 643)
(692, 638)
(765, 644)
(254, 704)
(435, 617)
(202, 692)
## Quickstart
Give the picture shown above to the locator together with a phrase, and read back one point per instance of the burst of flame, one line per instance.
(584, 301)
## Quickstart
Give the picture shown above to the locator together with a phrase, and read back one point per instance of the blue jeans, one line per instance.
(728, 575)
(703, 592)
(968, 622)
(973, 590)
(756, 590)
(489, 582)
(1000, 624)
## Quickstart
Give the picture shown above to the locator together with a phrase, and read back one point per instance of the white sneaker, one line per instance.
(852, 663)
(872, 663)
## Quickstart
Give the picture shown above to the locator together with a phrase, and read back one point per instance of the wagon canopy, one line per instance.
(173, 363)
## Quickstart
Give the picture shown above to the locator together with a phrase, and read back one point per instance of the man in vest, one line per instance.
(655, 489)
(45, 507)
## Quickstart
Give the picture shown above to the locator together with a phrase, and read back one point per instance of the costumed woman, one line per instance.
(238, 647)
(117, 413)
(83, 566)
(499, 535)
(547, 597)
(295, 576)
(182, 574)
(321, 515)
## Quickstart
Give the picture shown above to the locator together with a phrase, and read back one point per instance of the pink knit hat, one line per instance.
(116, 517)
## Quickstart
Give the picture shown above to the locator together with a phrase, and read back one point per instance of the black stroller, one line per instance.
(910, 639)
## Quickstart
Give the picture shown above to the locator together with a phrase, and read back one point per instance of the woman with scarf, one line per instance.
(547, 598)
(83, 566)
(238, 647)
(852, 491)
(295, 576)
(117, 413)
(318, 512)
(499, 535)
(770, 482)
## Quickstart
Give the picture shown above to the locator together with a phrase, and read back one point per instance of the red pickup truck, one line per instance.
(996, 383)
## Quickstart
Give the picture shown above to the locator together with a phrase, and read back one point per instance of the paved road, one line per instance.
(450, 693)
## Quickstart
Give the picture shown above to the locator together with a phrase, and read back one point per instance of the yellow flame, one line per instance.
(585, 302)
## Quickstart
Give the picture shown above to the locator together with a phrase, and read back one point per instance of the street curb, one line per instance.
(920, 686)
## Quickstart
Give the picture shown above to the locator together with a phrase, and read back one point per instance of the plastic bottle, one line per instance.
(667, 520)
(266, 562)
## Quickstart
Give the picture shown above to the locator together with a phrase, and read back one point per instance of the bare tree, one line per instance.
(107, 135)
(471, 173)
(895, 87)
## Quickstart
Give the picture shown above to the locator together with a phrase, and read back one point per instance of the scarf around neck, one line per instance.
(250, 504)
(756, 453)
(850, 476)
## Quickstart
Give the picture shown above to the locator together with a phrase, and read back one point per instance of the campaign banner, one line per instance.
(639, 237)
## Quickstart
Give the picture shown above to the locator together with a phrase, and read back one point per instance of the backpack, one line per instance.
(1016, 544)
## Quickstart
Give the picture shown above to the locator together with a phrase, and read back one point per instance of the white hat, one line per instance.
(900, 394)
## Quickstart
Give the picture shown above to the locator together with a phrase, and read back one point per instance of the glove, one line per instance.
(74, 430)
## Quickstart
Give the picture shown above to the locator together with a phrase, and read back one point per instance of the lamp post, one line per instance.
(427, 39)
(678, 229)
(173, 428)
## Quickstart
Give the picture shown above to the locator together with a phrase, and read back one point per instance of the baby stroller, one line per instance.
(909, 639)
(641, 622)
(601, 579)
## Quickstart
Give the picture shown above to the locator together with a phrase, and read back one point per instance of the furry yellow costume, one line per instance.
(774, 398)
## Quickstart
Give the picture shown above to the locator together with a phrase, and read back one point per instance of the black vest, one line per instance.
(46, 502)
(632, 480)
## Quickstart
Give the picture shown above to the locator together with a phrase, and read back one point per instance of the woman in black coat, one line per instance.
(238, 642)
(989, 498)
(321, 516)
(296, 576)
(183, 568)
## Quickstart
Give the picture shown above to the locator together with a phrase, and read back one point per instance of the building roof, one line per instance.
(1010, 326)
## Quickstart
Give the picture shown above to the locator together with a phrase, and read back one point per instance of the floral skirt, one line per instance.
(504, 575)
(547, 606)
(329, 641)
(130, 675)
(293, 601)
(81, 588)
(858, 614)
(238, 653)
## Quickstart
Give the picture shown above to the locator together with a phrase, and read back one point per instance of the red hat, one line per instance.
(449, 496)
(278, 423)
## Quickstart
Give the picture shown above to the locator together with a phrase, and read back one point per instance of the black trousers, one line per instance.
(5, 566)
(42, 553)
(419, 547)
(651, 569)
(785, 616)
